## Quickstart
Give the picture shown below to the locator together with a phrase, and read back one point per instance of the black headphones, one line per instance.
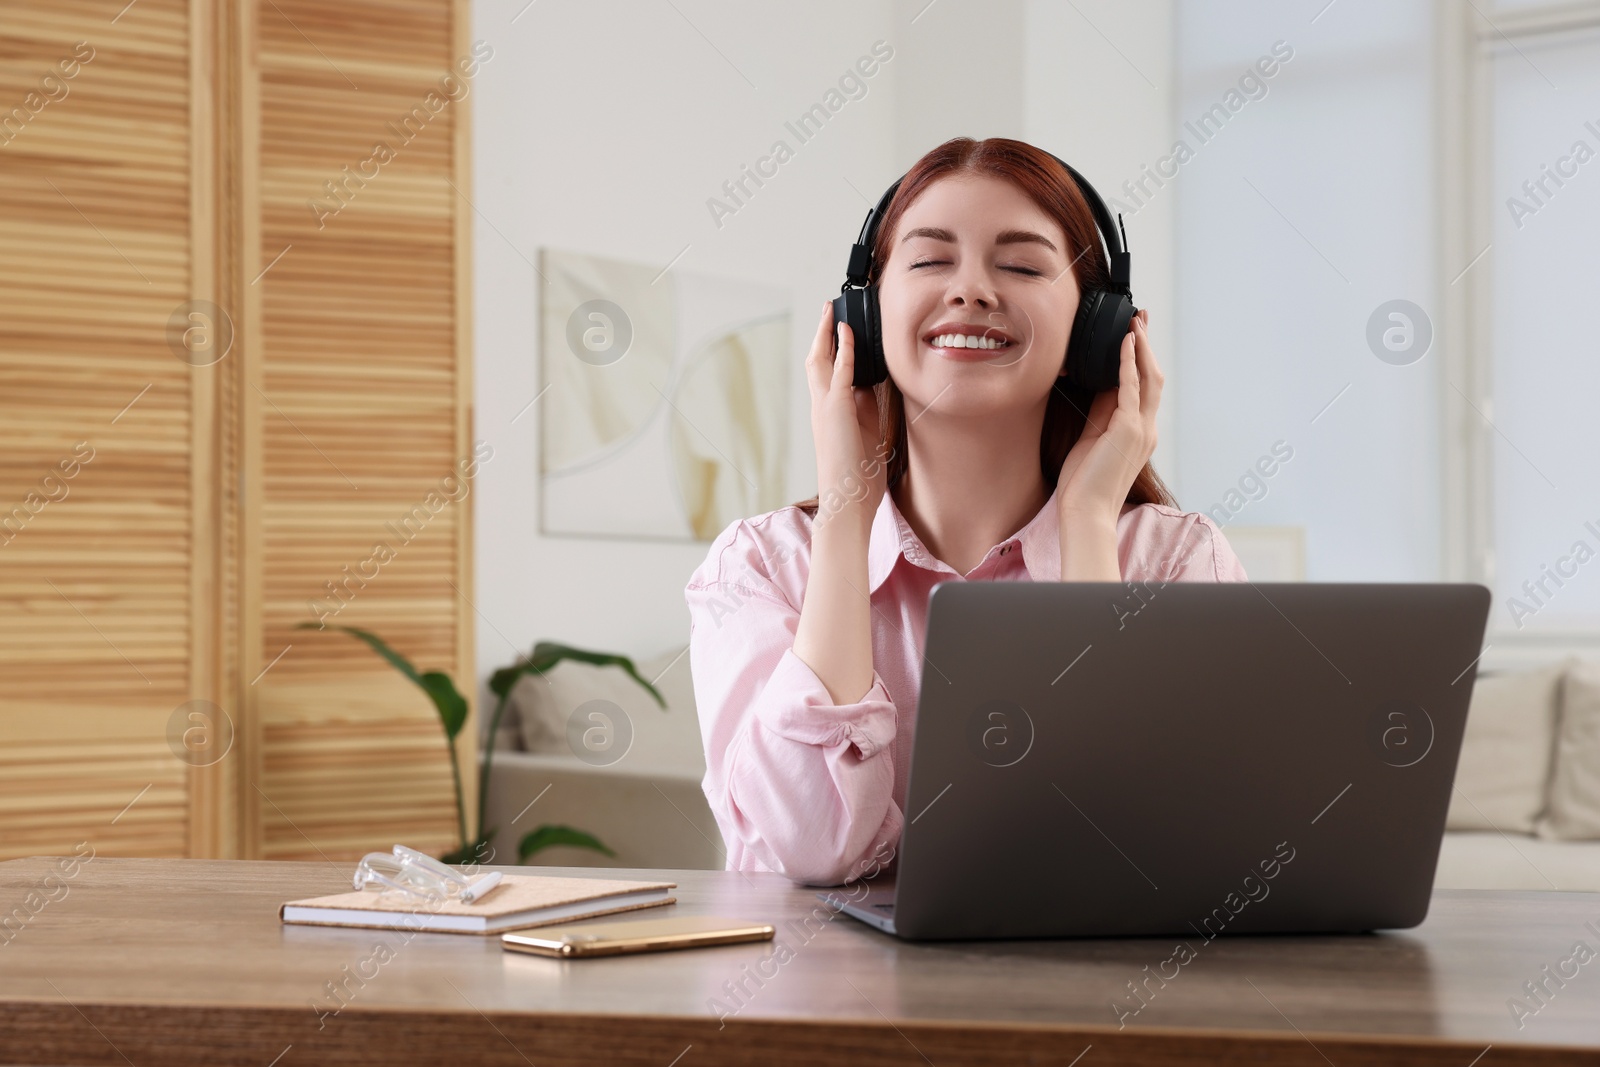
(1094, 348)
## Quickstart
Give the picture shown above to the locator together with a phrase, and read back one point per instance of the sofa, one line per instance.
(587, 747)
(1525, 812)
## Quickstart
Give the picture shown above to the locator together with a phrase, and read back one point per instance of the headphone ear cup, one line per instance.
(1077, 343)
(1094, 352)
(859, 308)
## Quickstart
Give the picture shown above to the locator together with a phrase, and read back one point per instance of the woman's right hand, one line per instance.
(852, 462)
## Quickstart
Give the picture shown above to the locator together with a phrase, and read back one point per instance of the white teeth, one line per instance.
(959, 340)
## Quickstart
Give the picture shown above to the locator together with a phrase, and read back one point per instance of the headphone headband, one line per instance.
(1116, 249)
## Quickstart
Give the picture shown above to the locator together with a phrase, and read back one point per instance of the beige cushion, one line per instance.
(667, 739)
(1574, 812)
(1502, 779)
(508, 737)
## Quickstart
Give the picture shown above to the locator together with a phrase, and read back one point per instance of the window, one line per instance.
(1543, 113)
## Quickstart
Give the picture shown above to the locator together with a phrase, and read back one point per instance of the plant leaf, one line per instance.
(400, 663)
(502, 680)
(447, 699)
(546, 654)
(545, 836)
(461, 856)
(451, 705)
(549, 653)
(479, 852)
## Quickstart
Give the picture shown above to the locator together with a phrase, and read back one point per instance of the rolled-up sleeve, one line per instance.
(798, 784)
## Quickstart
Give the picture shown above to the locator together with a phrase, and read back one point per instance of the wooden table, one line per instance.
(155, 962)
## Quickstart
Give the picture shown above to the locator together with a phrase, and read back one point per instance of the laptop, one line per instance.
(1103, 759)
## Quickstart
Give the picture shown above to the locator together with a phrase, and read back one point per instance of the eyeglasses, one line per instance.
(418, 875)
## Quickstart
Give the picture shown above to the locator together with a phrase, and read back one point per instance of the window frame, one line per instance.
(1466, 40)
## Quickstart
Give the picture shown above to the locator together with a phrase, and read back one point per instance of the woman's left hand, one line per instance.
(1119, 437)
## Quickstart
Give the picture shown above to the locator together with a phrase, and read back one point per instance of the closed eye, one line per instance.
(942, 262)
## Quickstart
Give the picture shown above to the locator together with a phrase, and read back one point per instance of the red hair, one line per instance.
(1038, 175)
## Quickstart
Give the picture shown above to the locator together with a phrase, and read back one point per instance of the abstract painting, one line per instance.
(664, 399)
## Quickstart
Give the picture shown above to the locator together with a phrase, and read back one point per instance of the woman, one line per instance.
(969, 463)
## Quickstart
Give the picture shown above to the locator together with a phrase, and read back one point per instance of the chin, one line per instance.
(963, 394)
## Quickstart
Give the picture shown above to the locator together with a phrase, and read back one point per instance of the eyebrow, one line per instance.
(1006, 237)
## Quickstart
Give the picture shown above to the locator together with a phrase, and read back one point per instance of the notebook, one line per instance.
(519, 901)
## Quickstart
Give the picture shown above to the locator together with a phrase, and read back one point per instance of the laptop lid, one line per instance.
(1100, 759)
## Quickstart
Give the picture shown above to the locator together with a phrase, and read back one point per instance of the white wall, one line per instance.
(1100, 95)
(604, 127)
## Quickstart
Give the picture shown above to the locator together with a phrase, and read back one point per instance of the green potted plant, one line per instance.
(451, 707)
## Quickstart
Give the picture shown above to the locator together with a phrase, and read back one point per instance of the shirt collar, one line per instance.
(893, 538)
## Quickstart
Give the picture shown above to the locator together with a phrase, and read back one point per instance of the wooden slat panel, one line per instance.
(359, 395)
(95, 587)
(323, 770)
(324, 775)
(127, 793)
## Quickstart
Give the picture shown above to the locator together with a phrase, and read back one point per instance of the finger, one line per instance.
(819, 361)
(1128, 389)
(1150, 377)
(844, 366)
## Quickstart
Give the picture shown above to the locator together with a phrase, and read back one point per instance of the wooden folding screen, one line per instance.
(232, 367)
(103, 537)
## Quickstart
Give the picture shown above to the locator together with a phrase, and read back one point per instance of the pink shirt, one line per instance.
(813, 789)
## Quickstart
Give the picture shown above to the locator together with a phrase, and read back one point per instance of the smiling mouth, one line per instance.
(958, 342)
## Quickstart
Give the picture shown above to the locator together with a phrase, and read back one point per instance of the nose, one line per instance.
(970, 286)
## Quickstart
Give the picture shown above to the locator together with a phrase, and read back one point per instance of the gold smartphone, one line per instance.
(649, 935)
